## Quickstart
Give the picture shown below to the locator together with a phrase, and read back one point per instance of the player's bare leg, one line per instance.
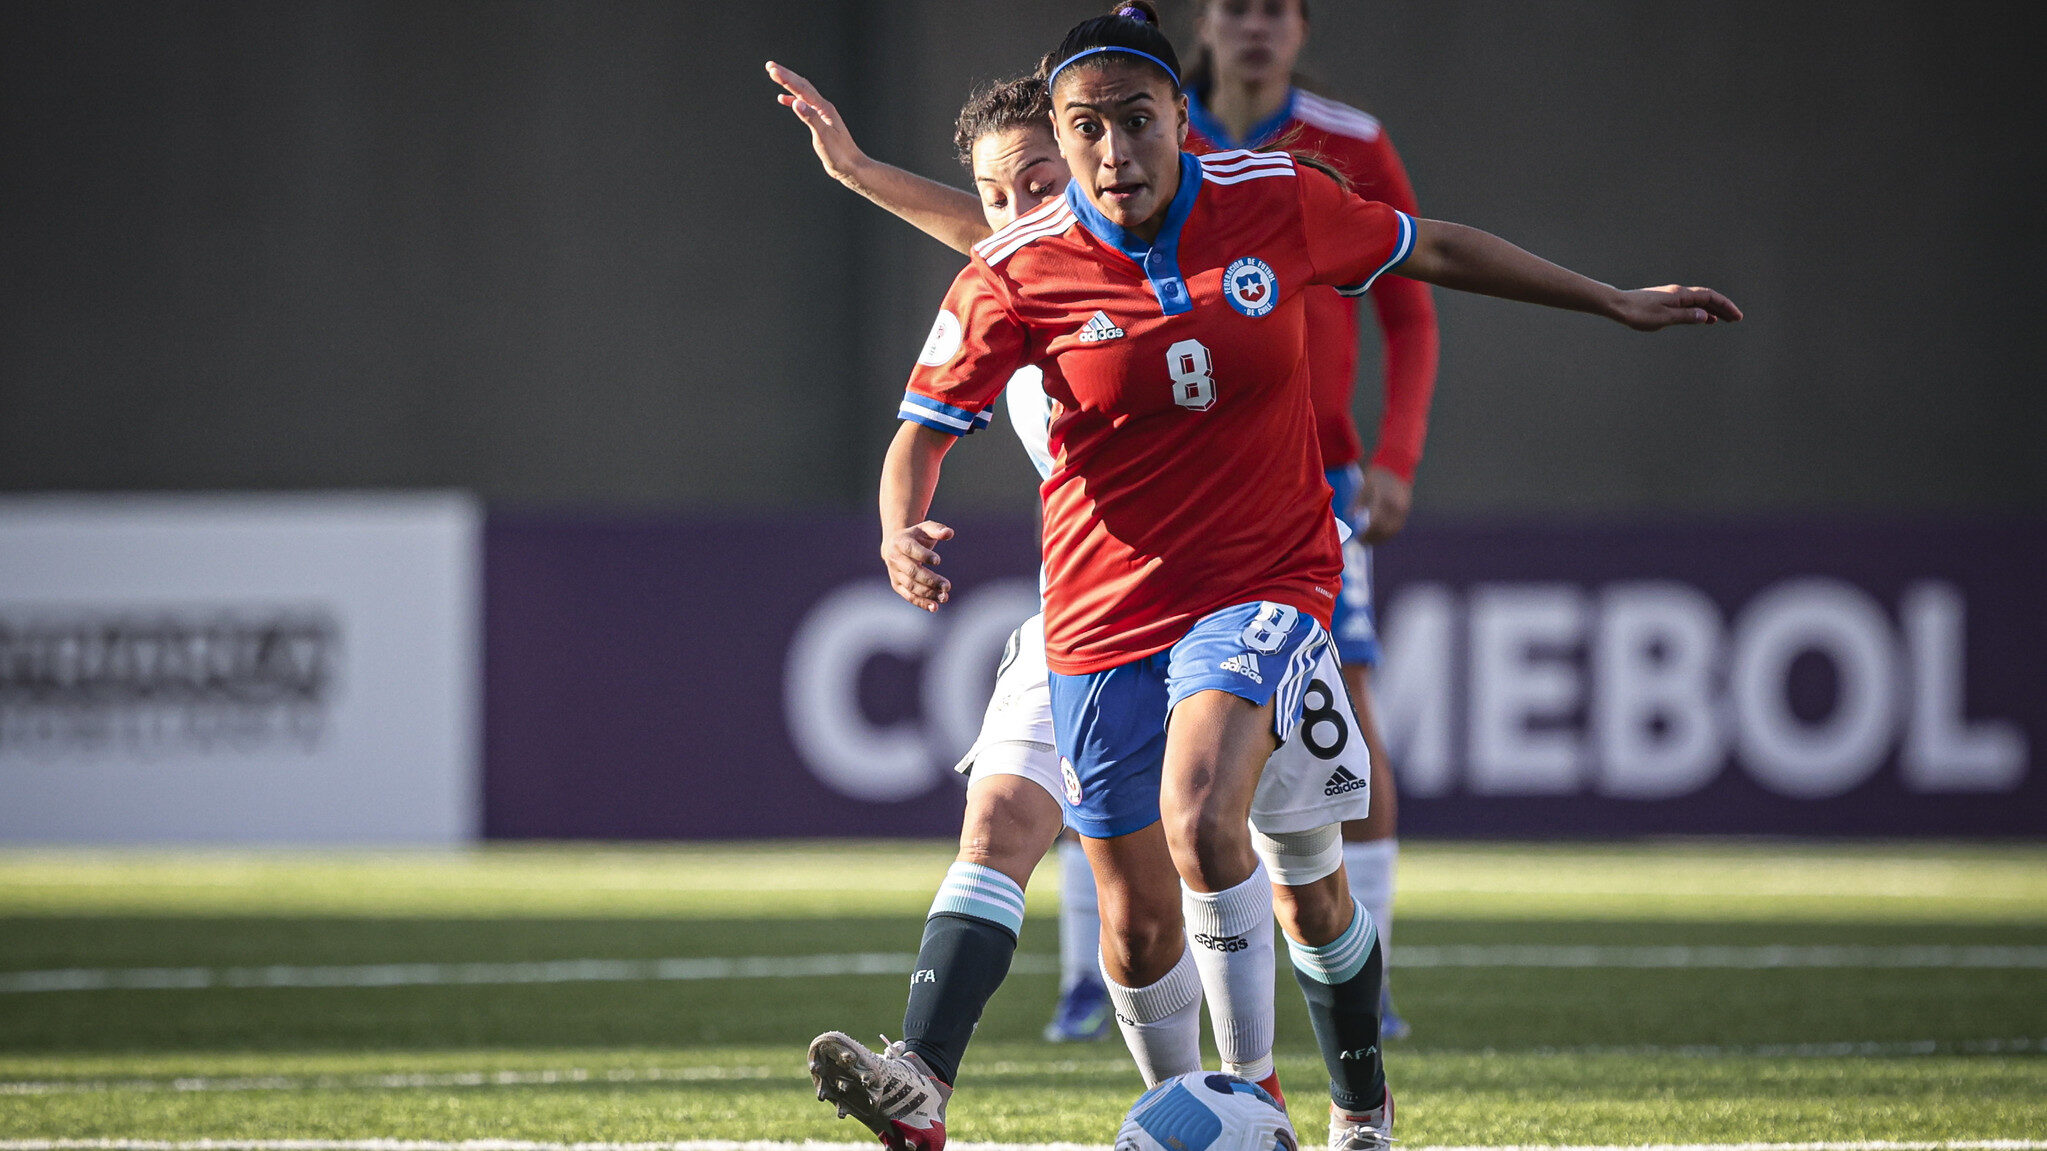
(1146, 964)
(970, 937)
(1083, 1011)
(1371, 848)
(1216, 747)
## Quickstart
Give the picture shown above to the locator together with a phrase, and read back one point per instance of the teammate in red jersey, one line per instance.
(1242, 93)
(1191, 560)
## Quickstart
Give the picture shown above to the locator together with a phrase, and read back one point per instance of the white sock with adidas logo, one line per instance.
(1231, 934)
(1161, 1024)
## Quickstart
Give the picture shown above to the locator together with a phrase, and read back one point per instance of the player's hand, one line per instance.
(910, 555)
(841, 157)
(1650, 309)
(1383, 503)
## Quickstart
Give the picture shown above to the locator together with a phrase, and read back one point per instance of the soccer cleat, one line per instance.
(1083, 1014)
(1371, 1131)
(1391, 1025)
(1270, 1084)
(893, 1093)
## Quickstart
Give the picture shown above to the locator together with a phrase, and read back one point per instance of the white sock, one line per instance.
(1370, 866)
(1230, 933)
(1161, 1024)
(1080, 921)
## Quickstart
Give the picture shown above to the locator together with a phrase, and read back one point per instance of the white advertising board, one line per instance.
(227, 669)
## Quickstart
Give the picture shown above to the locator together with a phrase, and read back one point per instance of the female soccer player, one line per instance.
(1005, 135)
(1191, 562)
(1241, 93)
(1016, 180)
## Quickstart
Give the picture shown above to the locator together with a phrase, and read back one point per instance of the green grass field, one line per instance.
(1904, 996)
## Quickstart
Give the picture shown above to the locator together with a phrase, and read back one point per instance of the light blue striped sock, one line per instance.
(1341, 958)
(981, 893)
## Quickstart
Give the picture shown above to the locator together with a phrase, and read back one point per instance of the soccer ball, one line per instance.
(1206, 1111)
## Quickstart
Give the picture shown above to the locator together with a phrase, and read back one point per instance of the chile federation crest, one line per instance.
(1250, 286)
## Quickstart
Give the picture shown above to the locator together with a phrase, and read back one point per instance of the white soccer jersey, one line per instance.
(1030, 415)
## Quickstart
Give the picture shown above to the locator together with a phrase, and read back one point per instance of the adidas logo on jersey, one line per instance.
(1245, 665)
(1342, 782)
(1098, 328)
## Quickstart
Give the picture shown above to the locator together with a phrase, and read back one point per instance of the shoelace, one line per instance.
(901, 1089)
(1364, 1138)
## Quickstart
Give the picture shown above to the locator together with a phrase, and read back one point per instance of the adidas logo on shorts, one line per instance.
(1098, 328)
(1341, 782)
(1245, 665)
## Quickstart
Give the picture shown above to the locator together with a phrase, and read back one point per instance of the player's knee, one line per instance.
(1141, 945)
(1211, 845)
(1008, 829)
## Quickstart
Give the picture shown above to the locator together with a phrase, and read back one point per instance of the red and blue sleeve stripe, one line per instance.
(943, 417)
(1403, 246)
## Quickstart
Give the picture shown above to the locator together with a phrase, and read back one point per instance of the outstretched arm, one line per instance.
(909, 477)
(948, 215)
(1468, 260)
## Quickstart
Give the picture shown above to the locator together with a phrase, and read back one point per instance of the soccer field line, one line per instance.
(815, 1145)
(988, 1070)
(901, 963)
(767, 1145)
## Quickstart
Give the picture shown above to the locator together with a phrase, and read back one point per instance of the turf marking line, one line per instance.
(901, 963)
(444, 1080)
(764, 1145)
(809, 1145)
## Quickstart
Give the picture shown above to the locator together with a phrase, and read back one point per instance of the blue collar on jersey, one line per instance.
(1160, 260)
(1262, 133)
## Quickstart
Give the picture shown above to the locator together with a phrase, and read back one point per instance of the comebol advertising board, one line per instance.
(296, 669)
(728, 678)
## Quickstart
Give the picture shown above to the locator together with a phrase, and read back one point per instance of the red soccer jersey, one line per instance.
(1355, 144)
(1186, 475)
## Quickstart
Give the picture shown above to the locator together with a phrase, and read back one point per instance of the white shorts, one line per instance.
(1016, 730)
(1321, 776)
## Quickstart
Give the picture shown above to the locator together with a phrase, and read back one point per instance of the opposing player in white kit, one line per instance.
(1014, 797)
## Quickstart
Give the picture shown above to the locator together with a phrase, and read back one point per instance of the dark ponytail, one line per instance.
(1131, 32)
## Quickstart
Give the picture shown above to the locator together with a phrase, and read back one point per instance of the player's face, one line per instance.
(1121, 127)
(1253, 41)
(1015, 170)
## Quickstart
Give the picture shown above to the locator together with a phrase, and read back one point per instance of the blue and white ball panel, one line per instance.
(1111, 724)
(1206, 1111)
(1353, 625)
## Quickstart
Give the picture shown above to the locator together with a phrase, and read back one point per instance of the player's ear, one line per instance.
(1180, 110)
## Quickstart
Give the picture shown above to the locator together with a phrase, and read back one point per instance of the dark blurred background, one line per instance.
(574, 255)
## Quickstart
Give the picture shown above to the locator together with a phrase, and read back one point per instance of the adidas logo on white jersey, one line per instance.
(1245, 665)
(1341, 782)
(1098, 328)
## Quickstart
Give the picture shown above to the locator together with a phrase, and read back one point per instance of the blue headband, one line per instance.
(1054, 77)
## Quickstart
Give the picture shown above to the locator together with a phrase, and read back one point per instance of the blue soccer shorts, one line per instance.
(1111, 724)
(1353, 627)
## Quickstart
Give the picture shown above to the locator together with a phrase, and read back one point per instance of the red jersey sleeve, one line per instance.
(1350, 241)
(975, 345)
(1407, 328)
